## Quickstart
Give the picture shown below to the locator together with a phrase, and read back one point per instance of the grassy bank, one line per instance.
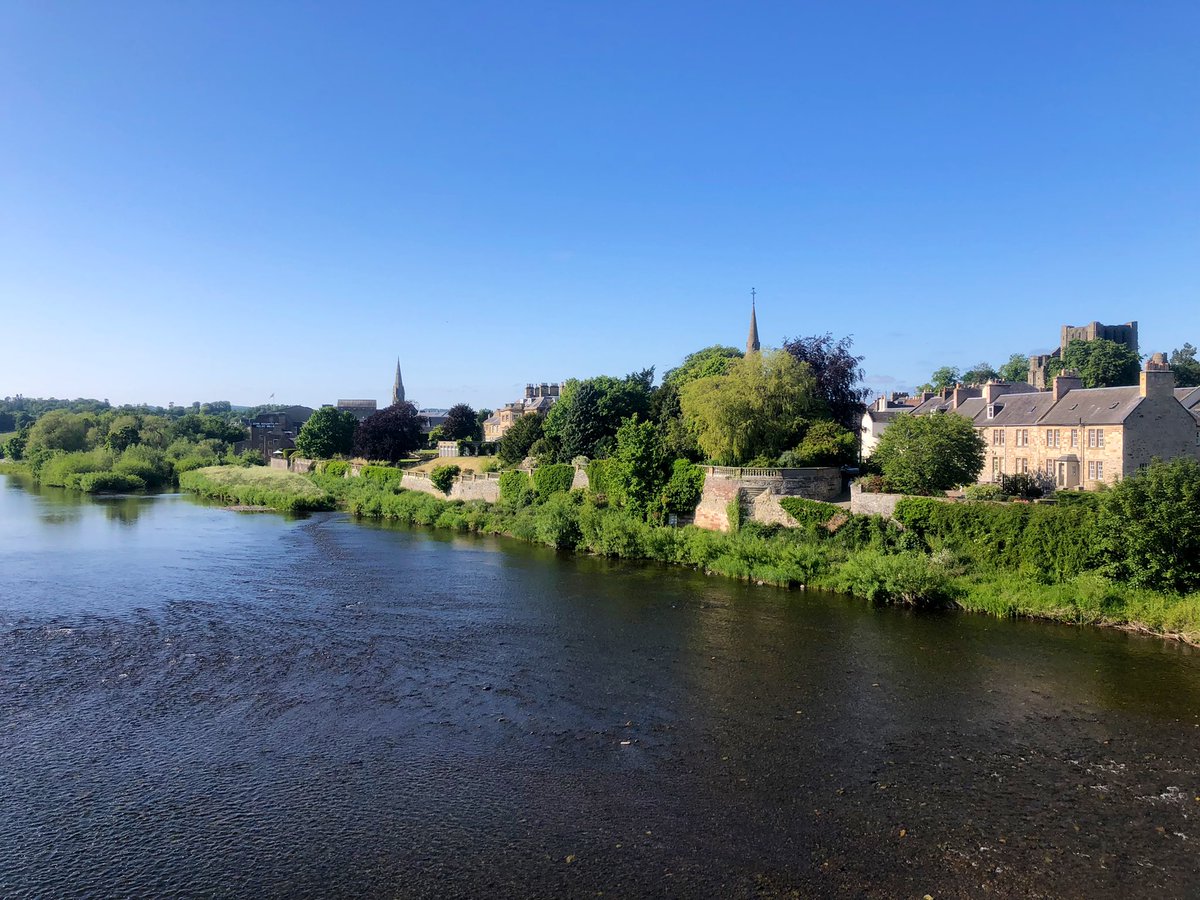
(284, 491)
(866, 557)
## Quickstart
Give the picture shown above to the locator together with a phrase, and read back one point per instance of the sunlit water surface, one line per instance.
(196, 702)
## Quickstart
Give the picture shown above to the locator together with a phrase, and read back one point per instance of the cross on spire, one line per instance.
(752, 345)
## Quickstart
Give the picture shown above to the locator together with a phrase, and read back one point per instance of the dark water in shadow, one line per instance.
(195, 702)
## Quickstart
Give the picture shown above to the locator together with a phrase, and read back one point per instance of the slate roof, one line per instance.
(1189, 397)
(886, 415)
(1020, 409)
(1095, 406)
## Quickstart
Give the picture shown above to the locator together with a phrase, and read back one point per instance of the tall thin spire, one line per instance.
(752, 344)
(397, 386)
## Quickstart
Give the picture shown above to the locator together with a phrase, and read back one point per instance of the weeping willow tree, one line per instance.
(758, 408)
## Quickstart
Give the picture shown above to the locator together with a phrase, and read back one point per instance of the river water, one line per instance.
(196, 702)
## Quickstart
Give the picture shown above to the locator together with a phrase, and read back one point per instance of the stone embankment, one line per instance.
(757, 492)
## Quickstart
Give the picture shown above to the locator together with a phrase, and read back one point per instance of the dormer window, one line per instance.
(993, 409)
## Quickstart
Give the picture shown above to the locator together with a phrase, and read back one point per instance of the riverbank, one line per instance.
(866, 557)
(257, 487)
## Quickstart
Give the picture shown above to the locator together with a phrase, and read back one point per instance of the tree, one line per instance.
(635, 475)
(1185, 366)
(758, 409)
(391, 434)
(825, 443)
(1149, 527)
(521, 435)
(1100, 363)
(929, 454)
(945, 377)
(461, 424)
(61, 430)
(1016, 370)
(585, 419)
(838, 374)
(328, 432)
(980, 373)
(702, 364)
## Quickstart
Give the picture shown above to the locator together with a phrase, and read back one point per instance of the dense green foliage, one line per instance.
(516, 488)
(462, 424)
(274, 488)
(516, 443)
(1100, 363)
(702, 364)
(1149, 527)
(838, 375)
(825, 443)
(758, 409)
(1185, 366)
(809, 512)
(1048, 543)
(928, 454)
(553, 479)
(682, 491)
(1016, 370)
(390, 435)
(443, 477)
(585, 419)
(328, 432)
(980, 373)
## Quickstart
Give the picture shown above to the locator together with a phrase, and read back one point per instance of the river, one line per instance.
(196, 702)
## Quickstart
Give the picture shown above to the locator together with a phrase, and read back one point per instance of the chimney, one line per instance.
(1157, 378)
(529, 392)
(1064, 382)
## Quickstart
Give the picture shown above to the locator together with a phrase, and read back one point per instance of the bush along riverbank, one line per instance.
(283, 491)
(1115, 565)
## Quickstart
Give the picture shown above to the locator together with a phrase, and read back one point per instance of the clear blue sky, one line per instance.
(232, 200)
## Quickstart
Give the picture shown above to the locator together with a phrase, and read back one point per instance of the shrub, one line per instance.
(442, 477)
(490, 465)
(337, 467)
(1150, 527)
(733, 512)
(684, 487)
(110, 483)
(54, 468)
(553, 479)
(516, 489)
(809, 512)
(145, 463)
(597, 472)
(557, 522)
(1026, 485)
(285, 491)
(384, 475)
(981, 492)
(910, 578)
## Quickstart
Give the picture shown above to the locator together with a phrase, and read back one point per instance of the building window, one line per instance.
(1022, 437)
(1096, 470)
(1074, 438)
(995, 467)
(997, 437)
(1051, 437)
(1095, 437)
(1021, 466)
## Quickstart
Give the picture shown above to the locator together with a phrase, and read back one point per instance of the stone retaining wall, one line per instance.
(863, 503)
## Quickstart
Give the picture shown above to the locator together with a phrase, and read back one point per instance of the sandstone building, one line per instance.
(1126, 334)
(537, 401)
(1076, 437)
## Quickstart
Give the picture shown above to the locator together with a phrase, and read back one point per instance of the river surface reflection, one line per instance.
(195, 702)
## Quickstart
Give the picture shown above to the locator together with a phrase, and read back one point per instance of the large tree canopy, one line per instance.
(758, 409)
(328, 432)
(462, 424)
(521, 435)
(391, 434)
(1100, 363)
(1185, 366)
(928, 454)
(837, 373)
(701, 364)
(1016, 369)
(980, 373)
(585, 419)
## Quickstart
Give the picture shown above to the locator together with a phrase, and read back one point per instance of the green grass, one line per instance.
(284, 491)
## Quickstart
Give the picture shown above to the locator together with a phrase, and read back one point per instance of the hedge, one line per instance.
(553, 479)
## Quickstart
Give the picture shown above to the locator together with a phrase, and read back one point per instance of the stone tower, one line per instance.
(397, 386)
(752, 344)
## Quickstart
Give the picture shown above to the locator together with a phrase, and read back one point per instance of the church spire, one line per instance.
(752, 341)
(397, 386)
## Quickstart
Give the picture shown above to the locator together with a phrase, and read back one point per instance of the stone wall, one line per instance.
(580, 480)
(863, 503)
(712, 512)
(277, 462)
